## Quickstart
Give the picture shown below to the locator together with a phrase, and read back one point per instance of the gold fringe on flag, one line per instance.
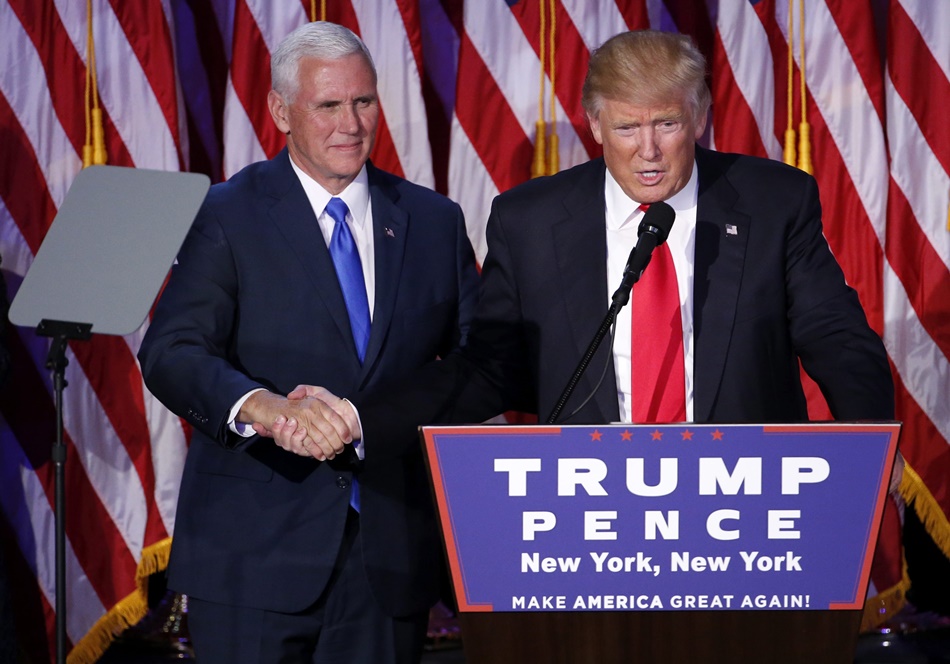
(917, 495)
(789, 156)
(127, 612)
(554, 164)
(546, 159)
(804, 129)
(538, 167)
(554, 159)
(94, 150)
(880, 608)
(313, 10)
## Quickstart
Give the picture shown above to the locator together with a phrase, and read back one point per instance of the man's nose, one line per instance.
(349, 119)
(648, 147)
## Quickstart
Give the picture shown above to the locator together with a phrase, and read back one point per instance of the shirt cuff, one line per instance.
(358, 443)
(242, 429)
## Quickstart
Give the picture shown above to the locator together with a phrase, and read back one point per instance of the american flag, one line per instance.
(463, 86)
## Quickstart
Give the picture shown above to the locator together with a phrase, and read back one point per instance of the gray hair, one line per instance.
(647, 66)
(320, 39)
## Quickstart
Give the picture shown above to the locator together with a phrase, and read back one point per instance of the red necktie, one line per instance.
(658, 389)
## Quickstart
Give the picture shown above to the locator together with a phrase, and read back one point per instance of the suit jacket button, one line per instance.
(342, 482)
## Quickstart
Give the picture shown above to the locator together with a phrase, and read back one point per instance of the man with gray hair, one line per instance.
(743, 290)
(312, 267)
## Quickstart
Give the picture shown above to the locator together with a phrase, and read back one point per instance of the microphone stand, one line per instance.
(620, 298)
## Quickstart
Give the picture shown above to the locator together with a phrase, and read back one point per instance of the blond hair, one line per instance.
(647, 67)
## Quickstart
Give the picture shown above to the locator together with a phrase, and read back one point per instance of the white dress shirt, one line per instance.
(360, 220)
(623, 218)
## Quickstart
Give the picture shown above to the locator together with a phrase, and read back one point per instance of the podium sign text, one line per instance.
(670, 517)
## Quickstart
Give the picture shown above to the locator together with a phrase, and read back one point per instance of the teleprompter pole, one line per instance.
(60, 332)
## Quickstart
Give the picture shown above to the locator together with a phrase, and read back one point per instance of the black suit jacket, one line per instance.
(767, 294)
(253, 301)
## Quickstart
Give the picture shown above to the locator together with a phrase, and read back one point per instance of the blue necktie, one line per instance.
(349, 272)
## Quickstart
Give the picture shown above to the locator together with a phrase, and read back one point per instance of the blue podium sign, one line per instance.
(661, 518)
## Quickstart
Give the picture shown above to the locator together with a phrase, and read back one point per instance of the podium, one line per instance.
(733, 637)
(662, 543)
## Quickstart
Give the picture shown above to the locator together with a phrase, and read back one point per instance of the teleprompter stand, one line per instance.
(61, 333)
(103, 260)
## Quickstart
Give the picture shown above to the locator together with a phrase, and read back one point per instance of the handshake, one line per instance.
(310, 421)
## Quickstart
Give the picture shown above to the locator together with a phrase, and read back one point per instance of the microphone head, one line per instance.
(658, 220)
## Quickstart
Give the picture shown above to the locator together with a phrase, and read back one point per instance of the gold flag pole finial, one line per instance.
(94, 150)
(553, 165)
(789, 156)
(804, 129)
(538, 167)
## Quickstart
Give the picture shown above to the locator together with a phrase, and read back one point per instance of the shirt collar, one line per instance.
(356, 194)
(621, 208)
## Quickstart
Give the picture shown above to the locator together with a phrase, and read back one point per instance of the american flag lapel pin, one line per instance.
(389, 232)
(731, 230)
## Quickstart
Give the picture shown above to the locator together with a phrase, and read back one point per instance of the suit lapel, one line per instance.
(722, 233)
(293, 216)
(580, 245)
(390, 230)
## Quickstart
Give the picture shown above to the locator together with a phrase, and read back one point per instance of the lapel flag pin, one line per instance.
(389, 232)
(731, 230)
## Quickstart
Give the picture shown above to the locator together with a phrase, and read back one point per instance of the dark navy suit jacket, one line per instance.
(253, 301)
(768, 293)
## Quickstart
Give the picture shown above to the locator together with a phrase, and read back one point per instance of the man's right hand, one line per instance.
(325, 432)
(342, 407)
(291, 434)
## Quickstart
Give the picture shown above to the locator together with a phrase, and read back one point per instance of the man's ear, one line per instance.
(700, 126)
(278, 111)
(594, 122)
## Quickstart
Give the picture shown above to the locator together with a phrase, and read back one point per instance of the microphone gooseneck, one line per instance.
(653, 230)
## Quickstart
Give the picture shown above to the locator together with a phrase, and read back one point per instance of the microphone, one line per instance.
(653, 230)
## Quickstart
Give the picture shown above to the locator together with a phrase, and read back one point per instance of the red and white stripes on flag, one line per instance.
(916, 241)
(183, 86)
(496, 106)
(125, 451)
